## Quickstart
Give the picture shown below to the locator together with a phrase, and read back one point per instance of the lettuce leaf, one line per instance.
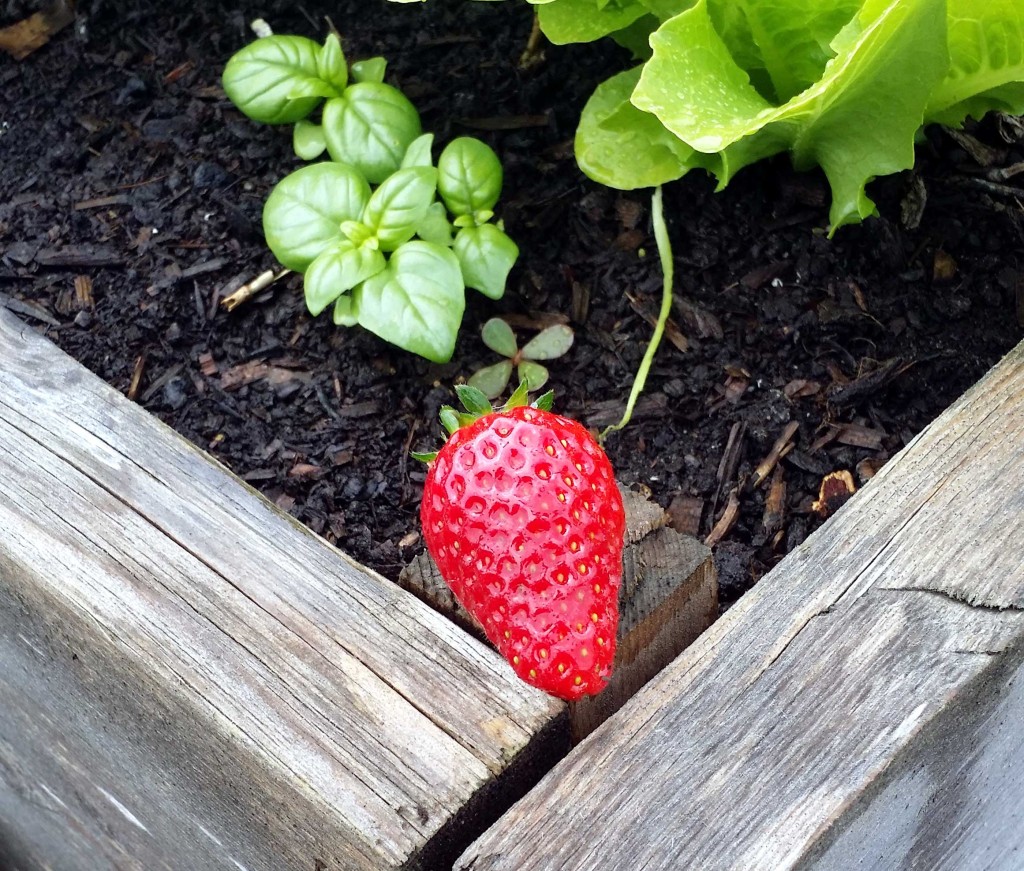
(566, 21)
(986, 72)
(783, 45)
(843, 84)
(857, 121)
(611, 127)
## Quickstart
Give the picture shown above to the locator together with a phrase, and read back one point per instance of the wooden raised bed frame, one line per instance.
(235, 694)
(191, 679)
(861, 707)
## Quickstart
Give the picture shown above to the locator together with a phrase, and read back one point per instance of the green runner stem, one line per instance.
(665, 253)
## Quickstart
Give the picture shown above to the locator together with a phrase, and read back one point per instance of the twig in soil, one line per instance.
(83, 292)
(672, 332)
(984, 155)
(29, 309)
(1001, 190)
(84, 256)
(726, 521)
(330, 26)
(248, 291)
(665, 254)
(730, 461)
(133, 386)
(774, 506)
(22, 38)
(783, 445)
(103, 202)
(866, 385)
(505, 122)
(836, 489)
(171, 373)
(321, 395)
(1006, 172)
(402, 463)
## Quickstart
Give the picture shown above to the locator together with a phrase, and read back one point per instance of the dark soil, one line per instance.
(130, 200)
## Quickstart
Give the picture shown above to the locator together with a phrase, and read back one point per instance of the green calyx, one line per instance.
(476, 405)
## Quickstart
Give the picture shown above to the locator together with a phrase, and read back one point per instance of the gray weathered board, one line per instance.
(862, 707)
(191, 680)
(669, 596)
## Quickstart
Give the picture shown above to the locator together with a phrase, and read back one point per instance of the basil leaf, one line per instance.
(308, 140)
(331, 65)
(398, 207)
(417, 302)
(311, 86)
(435, 227)
(418, 152)
(370, 126)
(345, 314)
(336, 270)
(486, 256)
(303, 214)
(358, 233)
(259, 78)
(469, 177)
(369, 70)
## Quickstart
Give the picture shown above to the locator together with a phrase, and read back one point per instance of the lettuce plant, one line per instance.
(366, 227)
(844, 84)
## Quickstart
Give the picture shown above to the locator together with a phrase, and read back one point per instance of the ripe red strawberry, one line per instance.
(522, 515)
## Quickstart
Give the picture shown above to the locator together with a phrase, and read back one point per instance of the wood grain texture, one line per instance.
(193, 680)
(860, 707)
(669, 595)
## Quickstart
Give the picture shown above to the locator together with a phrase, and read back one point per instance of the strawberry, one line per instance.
(522, 515)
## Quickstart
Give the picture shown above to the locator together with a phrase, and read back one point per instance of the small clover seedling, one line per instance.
(366, 227)
(548, 344)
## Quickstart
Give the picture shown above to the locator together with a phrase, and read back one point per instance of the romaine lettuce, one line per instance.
(844, 84)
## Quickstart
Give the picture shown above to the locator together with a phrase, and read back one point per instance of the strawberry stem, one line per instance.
(665, 254)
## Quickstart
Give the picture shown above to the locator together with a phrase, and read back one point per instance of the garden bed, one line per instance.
(130, 198)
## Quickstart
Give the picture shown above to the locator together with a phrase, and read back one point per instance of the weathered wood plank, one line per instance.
(860, 707)
(193, 680)
(669, 595)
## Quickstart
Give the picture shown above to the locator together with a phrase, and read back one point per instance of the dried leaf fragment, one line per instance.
(22, 38)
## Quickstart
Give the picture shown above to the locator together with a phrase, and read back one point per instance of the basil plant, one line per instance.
(383, 237)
